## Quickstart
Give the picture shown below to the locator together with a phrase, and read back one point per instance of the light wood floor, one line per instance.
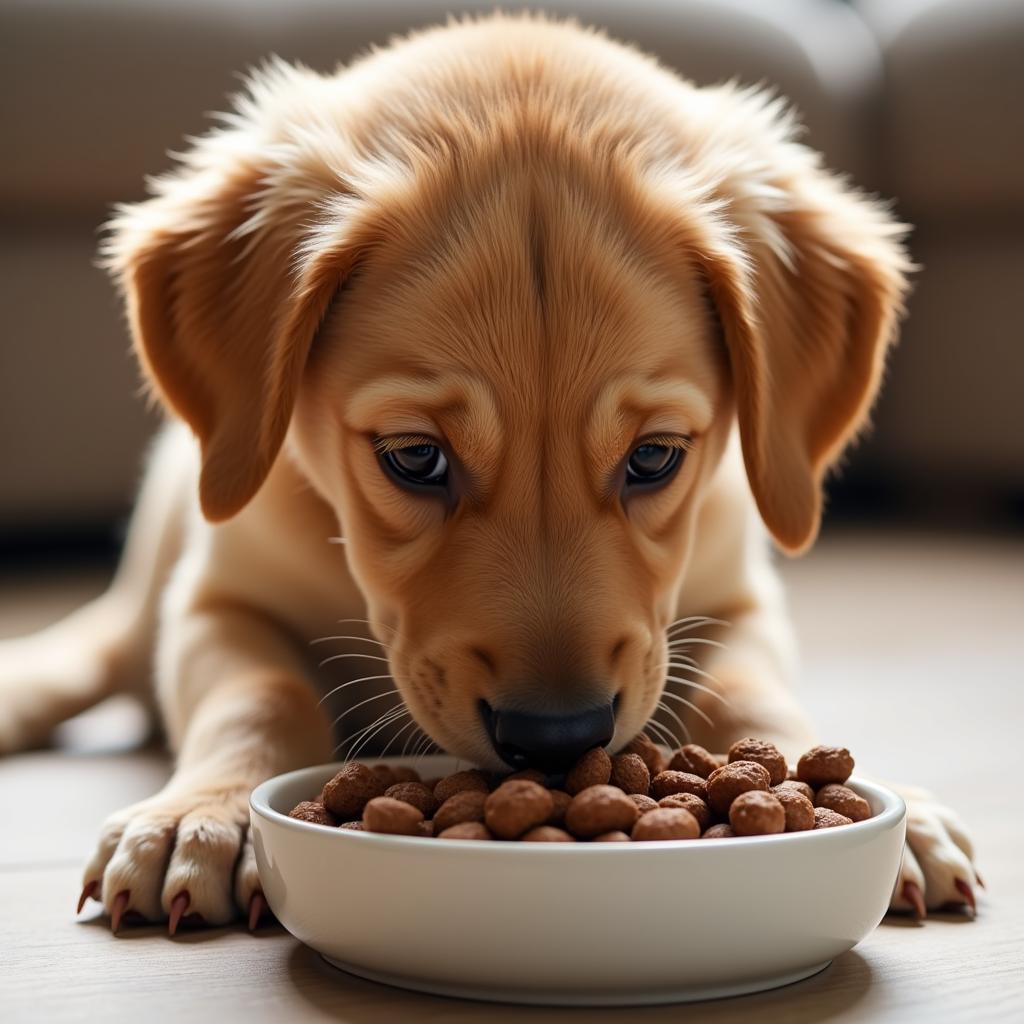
(913, 657)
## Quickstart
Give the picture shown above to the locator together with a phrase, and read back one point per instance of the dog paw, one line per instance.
(938, 862)
(177, 855)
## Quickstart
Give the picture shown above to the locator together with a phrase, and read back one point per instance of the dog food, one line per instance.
(638, 795)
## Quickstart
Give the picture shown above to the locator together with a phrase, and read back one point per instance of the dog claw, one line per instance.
(913, 895)
(968, 894)
(118, 909)
(87, 891)
(256, 907)
(178, 907)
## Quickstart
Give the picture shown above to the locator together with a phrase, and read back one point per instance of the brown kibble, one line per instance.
(666, 823)
(796, 786)
(652, 756)
(460, 782)
(594, 768)
(314, 812)
(404, 774)
(643, 803)
(726, 783)
(611, 837)
(763, 753)
(347, 793)
(385, 773)
(799, 810)
(599, 809)
(669, 782)
(697, 807)
(393, 817)
(426, 829)
(517, 806)
(414, 793)
(694, 759)
(560, 801)
(466, 830)
(352, 826)
(468, 805)
(630, 773)
(721, 831)
(822, 765)
(756, 813)
(843, 800)
(547, 834)
(825, 817)
(530, 774)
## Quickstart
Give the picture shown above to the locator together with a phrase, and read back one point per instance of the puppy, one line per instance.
(506, 348)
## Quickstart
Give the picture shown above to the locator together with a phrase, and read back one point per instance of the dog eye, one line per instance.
(423, 464)
(650, 463)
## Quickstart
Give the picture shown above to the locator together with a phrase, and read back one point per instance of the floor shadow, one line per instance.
(189, 933)
(333, 993)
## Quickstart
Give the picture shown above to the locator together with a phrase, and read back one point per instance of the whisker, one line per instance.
(702, 688)
(355, 707)
(694, 668)
(400, 713)
(336, 540)
(360, 639)
(384, 716)
(351, 682)
(338, 657)
(693, 707)
(410, 740)
(692, 622)
(668, 711)
(686, 641)
(664, 734)
(387, 747)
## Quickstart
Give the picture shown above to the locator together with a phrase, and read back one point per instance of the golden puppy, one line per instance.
(547, 336)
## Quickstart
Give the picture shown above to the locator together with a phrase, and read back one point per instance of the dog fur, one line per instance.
(537, 246)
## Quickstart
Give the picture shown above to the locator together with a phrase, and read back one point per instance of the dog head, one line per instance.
(512, 370)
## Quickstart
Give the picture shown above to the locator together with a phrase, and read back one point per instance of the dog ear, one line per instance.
(225, 283)
(808, 278)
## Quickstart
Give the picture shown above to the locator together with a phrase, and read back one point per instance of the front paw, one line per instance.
(177, 854)
(938, 862)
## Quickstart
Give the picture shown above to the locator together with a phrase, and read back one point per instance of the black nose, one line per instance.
(549, 743)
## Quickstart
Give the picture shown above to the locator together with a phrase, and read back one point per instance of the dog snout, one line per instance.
(549, 742)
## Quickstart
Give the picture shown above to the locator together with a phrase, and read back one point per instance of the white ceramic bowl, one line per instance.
(575, 923)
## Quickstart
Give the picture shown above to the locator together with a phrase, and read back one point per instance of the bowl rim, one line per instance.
(893, 810)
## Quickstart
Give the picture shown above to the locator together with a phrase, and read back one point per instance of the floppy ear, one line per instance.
(808, 278)
(225, 283)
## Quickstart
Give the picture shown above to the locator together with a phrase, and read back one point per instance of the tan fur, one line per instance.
(538, 247)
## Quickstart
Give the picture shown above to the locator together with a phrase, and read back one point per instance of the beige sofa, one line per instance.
(915, 98)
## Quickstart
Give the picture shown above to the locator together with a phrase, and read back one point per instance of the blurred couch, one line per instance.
(916, 99)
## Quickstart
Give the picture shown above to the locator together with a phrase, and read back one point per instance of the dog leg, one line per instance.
(238, 706)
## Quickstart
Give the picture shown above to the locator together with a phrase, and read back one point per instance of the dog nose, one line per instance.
(549, 743)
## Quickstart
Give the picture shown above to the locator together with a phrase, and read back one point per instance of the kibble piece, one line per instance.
(756, 813)
(666, 823)
(403, 774)
(643, 803)
(393, 817)
(611, 837)
(599, 809)
(466, 830)
(426, 829)
(459, 783)
(594, 768)
(414, 793)
(465, 806)
(630, 773)
(547, 834)
(843, 800)
(347, 793)
(764, 753)
(385, 773)
(796, 786)
(721, 831)
(530, 774)
(825, 817)
(822, 765)
(352, 826)
(726, 783)
(314, 812)
(669, 782)
(515, 807)
(694, 759)
(649, 751)
(799, 810)
(697, 807)
(560, 801)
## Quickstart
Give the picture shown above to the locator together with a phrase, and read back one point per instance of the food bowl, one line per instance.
(586, 924)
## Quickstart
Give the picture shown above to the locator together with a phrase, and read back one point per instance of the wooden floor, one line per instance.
(913, 657)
